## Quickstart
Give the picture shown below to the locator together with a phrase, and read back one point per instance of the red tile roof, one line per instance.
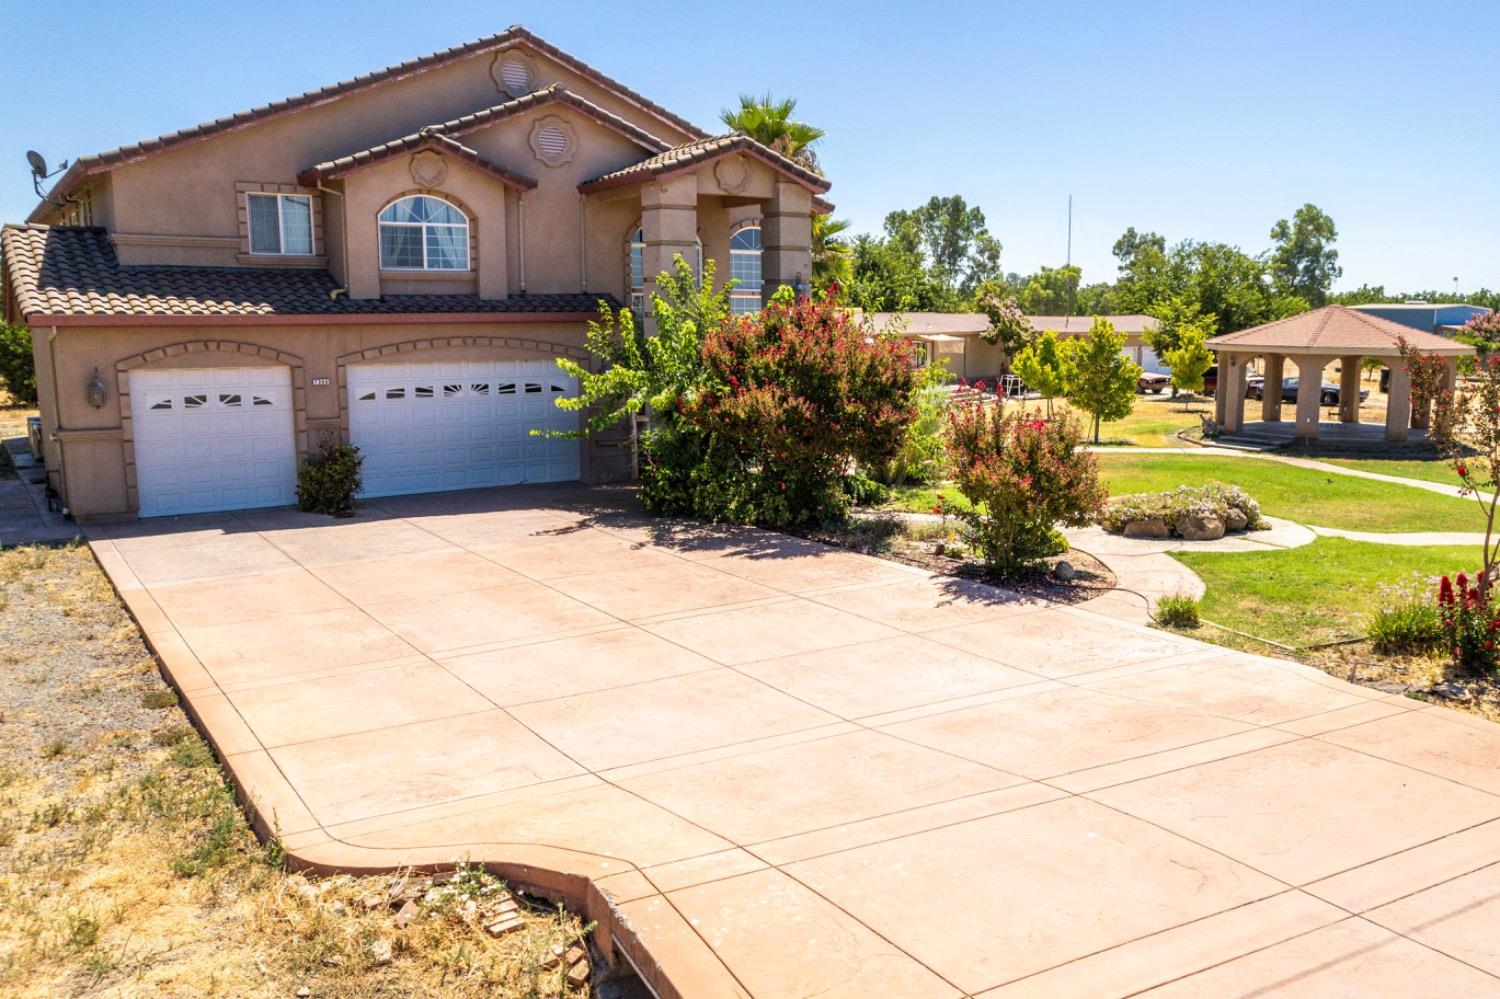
(1335, 329)
(67, 273)
(510, 37)
(427, 138)
(691, 154)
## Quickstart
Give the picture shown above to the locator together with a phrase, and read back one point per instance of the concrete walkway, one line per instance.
(769, 768)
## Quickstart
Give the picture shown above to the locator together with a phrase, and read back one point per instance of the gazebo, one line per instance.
(1312, 341)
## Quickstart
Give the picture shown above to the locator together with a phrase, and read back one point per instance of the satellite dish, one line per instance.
(38, 164)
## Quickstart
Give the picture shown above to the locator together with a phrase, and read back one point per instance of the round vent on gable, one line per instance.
(515, 75)
(553, 140)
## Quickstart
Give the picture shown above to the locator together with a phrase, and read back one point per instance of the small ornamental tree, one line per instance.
(1023, 476)
(1466, 429)
(1009, 326)
(1189, 362)
(795, 398)
(1043, 366)
(1102, 380)
(17, 367)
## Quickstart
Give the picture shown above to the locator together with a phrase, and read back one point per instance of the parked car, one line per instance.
(1328, 397)
(1211, 380)
(1153, 381)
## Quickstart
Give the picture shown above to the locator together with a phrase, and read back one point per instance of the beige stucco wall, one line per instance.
(92, 450)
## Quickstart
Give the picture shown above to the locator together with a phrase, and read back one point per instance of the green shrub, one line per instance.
(329, 480)
(1023, 476)
(1178, 611)
(17, 364)
(865, 492)
(1406, 623)
(922, 457)
(1469, 619)
(1215, 497)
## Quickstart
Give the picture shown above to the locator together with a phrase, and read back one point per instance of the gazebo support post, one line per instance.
(1349, 389)
(1233, 391)
(1309, 395)
(1270, 399)
(1398, 403)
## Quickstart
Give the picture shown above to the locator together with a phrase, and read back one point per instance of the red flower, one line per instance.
(1461, 469)
(1445, 591)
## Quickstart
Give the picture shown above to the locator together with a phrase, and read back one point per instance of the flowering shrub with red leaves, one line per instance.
(797, 397)
(1024, 475)
(1465, 426)
(1471, 622)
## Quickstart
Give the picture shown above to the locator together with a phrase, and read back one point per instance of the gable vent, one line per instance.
(553, 142)
(515, 76)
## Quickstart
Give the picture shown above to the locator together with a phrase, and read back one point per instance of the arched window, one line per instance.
(423, 233)
(638, 269)
(744, 267)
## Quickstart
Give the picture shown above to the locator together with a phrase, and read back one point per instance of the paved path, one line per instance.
(769, 768)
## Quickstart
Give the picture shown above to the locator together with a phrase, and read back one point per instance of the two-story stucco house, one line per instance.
(395, 260)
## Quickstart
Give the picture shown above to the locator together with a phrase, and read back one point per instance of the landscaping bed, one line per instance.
(1303, 495)
(127, 867)
(932, 545)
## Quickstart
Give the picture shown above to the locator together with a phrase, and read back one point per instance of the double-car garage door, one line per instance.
(224, 438)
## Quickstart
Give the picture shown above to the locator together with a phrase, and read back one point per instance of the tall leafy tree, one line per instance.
(1051, 291)
(771, 123)
(1178, 318)
(1303, 260)
(955, 239)
(890, 275)
(1102, 381)
(1009, 326)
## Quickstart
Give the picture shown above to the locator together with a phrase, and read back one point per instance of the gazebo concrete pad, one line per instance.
(770, 768)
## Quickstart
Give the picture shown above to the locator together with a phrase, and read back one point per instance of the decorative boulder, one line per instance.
(1147, 527)
(1235, 519)
(1200, 525)
(1064, 571)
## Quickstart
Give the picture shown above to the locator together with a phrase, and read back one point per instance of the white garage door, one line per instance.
(430, 427)
(213, 439)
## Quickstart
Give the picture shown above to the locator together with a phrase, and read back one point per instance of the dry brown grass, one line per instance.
(127, 869)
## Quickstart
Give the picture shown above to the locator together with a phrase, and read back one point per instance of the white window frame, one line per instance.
(380, 225)
(280, 251)
(741, 295)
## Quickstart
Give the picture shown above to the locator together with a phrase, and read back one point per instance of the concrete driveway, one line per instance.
(769, 768)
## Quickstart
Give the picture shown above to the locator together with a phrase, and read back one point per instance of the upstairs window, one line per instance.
(423, 233)
(744, 267)
(280, 223)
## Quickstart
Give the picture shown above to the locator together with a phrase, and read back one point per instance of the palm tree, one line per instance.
(830, 252)
(769, 122)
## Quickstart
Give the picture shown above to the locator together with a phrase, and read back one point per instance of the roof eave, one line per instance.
(312, 176)
(306, 319)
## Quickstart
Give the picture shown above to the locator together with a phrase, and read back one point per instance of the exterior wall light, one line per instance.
(98, 391)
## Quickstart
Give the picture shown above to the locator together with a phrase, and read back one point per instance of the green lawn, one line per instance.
(1322, 592)
(1304, 495)
(1428, 471)
(1154, 422)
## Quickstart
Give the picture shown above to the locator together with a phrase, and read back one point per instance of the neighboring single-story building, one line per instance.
(956, 338)
(396, 260)
(1134, 327)
(1443, 318)
(959, 338)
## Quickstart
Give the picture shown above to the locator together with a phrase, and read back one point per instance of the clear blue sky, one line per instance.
(1204, 120)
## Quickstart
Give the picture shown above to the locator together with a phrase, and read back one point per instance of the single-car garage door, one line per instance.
(213, 439)
(461, 425)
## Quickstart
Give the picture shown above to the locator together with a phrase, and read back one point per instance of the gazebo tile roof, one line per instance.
(1335, 329)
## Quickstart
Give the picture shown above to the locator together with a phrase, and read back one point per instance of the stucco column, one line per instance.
(786, 239)
(1222, 388)
(1270, 401)
(1309, 395)
(1398, 403)
(669, 228)
(1349, 389)
(1232, 388)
